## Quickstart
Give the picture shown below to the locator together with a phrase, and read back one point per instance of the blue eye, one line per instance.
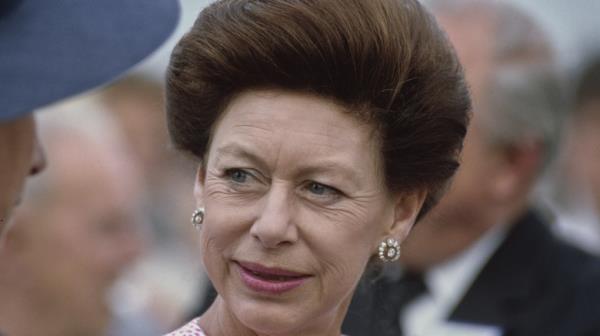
(237, 175)
(321, 189)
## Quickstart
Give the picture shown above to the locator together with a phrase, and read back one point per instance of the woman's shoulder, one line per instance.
(190, 329)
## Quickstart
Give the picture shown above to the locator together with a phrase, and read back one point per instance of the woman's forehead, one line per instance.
(270, 111)
(307, 130)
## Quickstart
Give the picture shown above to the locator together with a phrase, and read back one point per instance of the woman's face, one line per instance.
(295, 207)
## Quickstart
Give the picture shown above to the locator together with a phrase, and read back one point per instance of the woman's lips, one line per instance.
(269, 280)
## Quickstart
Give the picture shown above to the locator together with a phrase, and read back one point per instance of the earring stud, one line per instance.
(198, 218)
(389, 250)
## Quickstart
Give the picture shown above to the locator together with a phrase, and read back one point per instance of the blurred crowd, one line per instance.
(103, 245)
(103, 242)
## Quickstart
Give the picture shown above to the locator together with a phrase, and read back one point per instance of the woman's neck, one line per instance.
(218, 320)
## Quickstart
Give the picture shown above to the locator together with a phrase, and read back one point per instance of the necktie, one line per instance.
(391, 298)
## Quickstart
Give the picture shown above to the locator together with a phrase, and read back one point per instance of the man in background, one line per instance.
(483, 261)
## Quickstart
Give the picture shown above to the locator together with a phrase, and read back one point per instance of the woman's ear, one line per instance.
(406, 208)
(199, 186)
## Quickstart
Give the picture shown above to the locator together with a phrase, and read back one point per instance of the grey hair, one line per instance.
(517, 33)
(523, 92)
(526, 103)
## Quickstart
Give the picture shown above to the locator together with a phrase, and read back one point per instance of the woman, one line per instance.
(324, 130)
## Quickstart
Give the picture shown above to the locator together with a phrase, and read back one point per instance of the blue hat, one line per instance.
(52, 49)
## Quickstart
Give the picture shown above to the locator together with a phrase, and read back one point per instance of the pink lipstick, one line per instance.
(269, 280)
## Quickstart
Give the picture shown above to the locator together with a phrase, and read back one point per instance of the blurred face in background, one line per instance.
(78, 234)
(455, 221)
(20, 156)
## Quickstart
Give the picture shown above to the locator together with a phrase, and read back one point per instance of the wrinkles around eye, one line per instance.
(219, 188)
(235, 182)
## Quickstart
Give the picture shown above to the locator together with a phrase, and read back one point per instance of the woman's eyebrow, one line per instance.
(240, 151)
(332, 168)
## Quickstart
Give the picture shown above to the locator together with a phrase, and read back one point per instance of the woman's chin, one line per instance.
(263, 323)
(270, 318)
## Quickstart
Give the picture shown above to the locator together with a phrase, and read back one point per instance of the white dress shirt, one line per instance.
(447, 284)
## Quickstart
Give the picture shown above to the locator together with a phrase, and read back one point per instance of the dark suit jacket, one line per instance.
(533, 285)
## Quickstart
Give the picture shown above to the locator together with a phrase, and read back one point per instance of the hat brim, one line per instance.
(50, 50)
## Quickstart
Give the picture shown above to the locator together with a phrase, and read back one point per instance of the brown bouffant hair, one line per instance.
(386, 61)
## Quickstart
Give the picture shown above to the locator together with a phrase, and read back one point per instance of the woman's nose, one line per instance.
(38, 161)
(275, 227)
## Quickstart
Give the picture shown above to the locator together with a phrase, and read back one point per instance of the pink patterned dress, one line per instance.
(190, 329)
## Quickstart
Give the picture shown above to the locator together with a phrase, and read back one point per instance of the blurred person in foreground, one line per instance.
(55, 49)
(484, 262)
(324, 129)
(73, 238)
(577, 186)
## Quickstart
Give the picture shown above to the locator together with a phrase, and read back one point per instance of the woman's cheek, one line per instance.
(225, 226)
(339, 272)
(217, 236)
